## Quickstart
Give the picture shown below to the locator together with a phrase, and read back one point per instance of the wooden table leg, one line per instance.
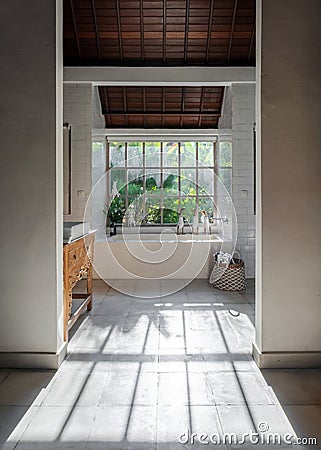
(90, 286)
(67, 310)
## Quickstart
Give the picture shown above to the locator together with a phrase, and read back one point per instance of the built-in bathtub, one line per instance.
(165, 237)
(157, 255)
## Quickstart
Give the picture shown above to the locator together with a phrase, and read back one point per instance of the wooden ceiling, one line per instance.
(159, 32)
(161, 107)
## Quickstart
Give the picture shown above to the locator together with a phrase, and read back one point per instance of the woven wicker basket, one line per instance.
(229, 277)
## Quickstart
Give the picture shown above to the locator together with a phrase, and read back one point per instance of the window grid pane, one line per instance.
(172, 169)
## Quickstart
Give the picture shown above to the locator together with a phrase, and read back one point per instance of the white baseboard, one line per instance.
(286, 360)
(24, 360)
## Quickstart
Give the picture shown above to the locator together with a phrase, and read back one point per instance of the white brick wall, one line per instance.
(78, 113)
(243, 118)
(238, 114)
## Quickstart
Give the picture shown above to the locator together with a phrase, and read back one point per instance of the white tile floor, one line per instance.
(142, 372)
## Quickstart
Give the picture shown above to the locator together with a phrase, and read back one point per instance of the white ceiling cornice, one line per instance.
(160, 76)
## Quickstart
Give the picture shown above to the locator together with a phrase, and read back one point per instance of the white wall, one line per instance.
(243, 118)
(238, 114)
(78, 112)
(288, 331)
(31, 182)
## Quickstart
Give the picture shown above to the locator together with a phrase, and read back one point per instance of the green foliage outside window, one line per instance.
(178, 189)
(117, 210)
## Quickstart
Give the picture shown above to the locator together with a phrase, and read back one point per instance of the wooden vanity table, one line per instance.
(77, 264)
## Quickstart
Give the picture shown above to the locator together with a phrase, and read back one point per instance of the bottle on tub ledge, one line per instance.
(180, 224)
(195, 221)
(114, 194)
(205, 221)
(112, 229)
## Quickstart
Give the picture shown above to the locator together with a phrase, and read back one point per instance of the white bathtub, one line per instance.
(165, 237)
(157, 256)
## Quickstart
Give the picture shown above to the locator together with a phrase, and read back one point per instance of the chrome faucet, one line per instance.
(222, 219)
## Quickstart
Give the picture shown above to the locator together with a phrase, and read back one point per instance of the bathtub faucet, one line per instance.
(222, 219)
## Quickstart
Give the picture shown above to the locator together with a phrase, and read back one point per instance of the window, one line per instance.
(155, 180)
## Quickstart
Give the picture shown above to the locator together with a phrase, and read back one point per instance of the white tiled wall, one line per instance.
(243, 118)
(238, 114)
(78, 113)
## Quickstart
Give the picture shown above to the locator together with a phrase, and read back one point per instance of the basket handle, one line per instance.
(238, 254)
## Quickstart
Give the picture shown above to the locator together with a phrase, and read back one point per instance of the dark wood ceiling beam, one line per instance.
(222, 98)
(186, 30)
(201, 107)
(107, 106)
(120, 40)
(142, 50)
(232, 31)
(164, 30)
(251, 43)
(221, 102)
(209, 31)
(93, 8)
(144, 106)
(183, 105)
(160, 113)
(74, 26)
(125, 103)
(163, 106)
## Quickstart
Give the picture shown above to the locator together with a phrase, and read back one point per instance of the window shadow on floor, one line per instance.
(140, 372)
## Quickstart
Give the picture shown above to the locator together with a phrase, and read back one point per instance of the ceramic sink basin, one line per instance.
(74, 230)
